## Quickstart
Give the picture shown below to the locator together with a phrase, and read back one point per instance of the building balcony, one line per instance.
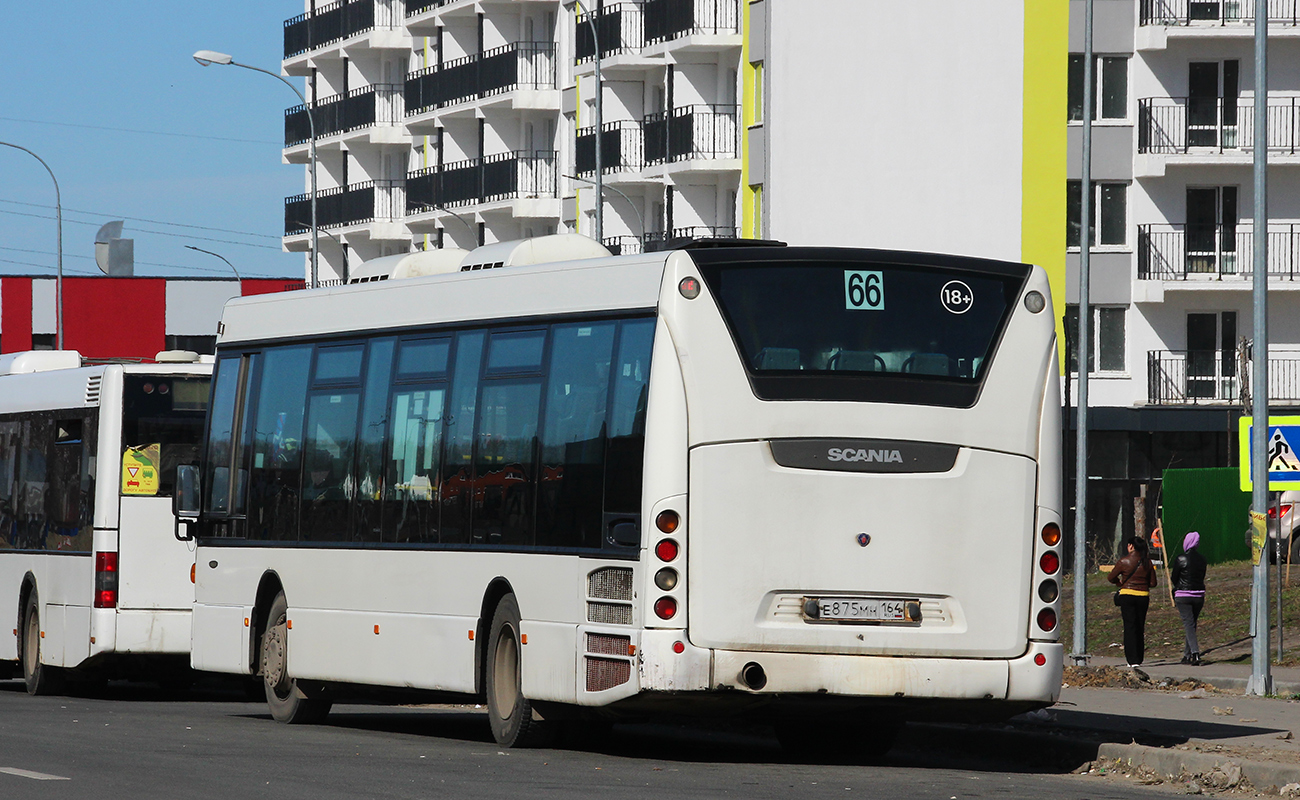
(698, 138)
(1211, 377)
(1216, 256)
(1190, 20)
(358, 112)
(652, 27)
(1178, 131)
(376, 205)
(525, 184)
(496, 76)
(377, 22)
(661, 240)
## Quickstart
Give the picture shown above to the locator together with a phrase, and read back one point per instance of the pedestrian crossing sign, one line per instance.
(1283, 458)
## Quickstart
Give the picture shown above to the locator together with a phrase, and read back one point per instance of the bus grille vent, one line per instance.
(608, 645)
(92, 389)
(609, 613)
(606, 673)
(610, 583)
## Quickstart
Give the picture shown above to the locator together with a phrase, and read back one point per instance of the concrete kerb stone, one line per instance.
(1264, 776)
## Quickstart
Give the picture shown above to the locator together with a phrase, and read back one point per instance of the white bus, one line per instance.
(91, 572)
(817, 485)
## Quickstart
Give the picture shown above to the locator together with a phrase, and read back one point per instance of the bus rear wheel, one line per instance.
(287, 699)
(509, 712)
(41, 679)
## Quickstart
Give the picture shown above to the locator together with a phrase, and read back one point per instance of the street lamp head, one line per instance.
(206, 57)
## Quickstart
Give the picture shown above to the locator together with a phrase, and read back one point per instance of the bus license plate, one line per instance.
(858, 609)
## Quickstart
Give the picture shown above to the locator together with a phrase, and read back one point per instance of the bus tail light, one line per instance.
(1049, 563)
(667, 521)
(665, 608)
(1051, 534)
(666, 550)
(105, 580)
(1047, 619)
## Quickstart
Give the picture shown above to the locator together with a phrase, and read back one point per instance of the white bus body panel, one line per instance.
(153, 567)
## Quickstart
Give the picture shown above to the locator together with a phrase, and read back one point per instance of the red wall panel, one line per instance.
(16, 308)
(251, 286)
(115, 317)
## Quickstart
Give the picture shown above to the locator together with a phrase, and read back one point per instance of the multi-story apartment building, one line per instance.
(1172, 240)
(445, 123)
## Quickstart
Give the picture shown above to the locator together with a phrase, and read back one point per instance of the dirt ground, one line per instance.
(1224, 624)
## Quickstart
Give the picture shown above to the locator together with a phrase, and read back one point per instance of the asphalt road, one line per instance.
(135, 741)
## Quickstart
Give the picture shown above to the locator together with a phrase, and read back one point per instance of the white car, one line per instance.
(1282, 513)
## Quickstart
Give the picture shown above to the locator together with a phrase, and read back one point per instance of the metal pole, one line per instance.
(1261, 681)
(639, 217)
(58, 213)
(311, 144)
(1277, 551)
(218, 255)
(1080, 654)
(600, 102)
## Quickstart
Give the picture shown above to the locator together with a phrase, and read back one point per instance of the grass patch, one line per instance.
(1225, 619)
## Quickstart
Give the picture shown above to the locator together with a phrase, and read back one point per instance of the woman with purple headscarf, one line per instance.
(1188, 578)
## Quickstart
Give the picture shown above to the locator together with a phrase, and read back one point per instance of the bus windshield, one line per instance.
(839, 330)
(162, 426)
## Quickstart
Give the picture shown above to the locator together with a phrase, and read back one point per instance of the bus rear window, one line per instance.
(877, 331)
(162, 426)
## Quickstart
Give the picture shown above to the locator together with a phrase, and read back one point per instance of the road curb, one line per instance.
(1239, 685)
(1174, 764)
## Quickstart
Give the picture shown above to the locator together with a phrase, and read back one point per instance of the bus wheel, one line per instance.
(288, 702)
(41, 678)
(509, 712)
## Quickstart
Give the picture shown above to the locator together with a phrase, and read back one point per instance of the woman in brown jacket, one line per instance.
(1136, 577)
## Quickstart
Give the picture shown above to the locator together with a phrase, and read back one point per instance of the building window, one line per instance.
(203, 345)
(43, 341)
(1109, 88)
(1105, 336)
(1108, 211)
(758, 93)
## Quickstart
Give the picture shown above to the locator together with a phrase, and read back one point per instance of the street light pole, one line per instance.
(58, 283)
(218, 255)
(600, 102)
(1261, 681)
(639, 217)
(1083, 341)
(208, 57)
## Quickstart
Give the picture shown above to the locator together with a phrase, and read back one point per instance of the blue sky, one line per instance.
(128, 65)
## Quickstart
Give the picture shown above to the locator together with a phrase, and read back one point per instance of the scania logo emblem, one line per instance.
(885, 456)
(864, 539)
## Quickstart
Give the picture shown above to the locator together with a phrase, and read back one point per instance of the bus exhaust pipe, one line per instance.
(753, 676)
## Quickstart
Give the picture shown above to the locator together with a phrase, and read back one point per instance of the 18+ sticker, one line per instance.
(957, 297)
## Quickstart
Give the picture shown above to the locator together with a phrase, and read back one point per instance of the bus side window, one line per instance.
(276, 471)
(9, 434)
(366, 516)
(457, 483)
(623, 463)
(573, 441)
(221, 434)
(329, 446)
(38, 434)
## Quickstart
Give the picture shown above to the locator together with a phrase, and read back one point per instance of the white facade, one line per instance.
(471, 122)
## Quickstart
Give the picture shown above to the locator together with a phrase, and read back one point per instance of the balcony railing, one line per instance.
(360, 108)
(669, 19)
(1206, 377)
(623, 245)
(1220, 12)
(504, 176)
(1215, 252)
(353, 204)
(414, 7)
(521, 65)
(336, 21)
(659, 240)
(1181, 125)
(690, 132)
(621, 148)
(621, 28)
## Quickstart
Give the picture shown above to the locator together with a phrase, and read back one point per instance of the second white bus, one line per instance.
(816, 485)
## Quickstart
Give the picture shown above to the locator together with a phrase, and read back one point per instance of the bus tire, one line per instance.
(287, 699)
(509, 712)
(41, 679)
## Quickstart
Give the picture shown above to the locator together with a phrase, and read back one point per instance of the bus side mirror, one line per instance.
(185, 501)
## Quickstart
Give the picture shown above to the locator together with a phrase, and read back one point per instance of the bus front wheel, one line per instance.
(286, 697)
(509, 712)
(41, 679)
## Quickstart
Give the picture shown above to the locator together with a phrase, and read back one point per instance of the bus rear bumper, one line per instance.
(701, 669)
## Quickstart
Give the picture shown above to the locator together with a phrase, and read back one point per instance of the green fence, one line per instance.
(1209, 501)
